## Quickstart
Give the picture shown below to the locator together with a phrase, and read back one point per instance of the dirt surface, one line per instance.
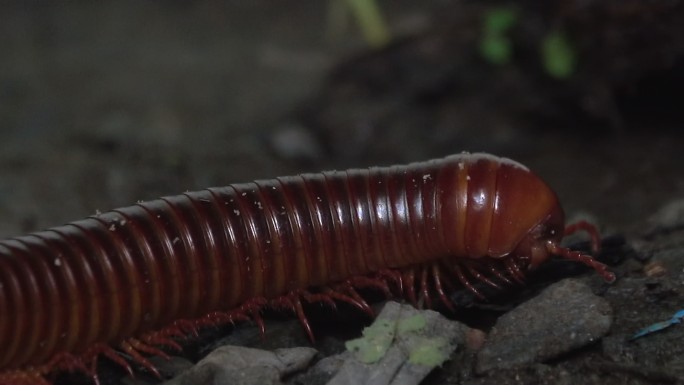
(102, 105)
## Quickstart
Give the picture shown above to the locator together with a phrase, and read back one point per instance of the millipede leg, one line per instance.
(145, 348)
(582, 258)
(497, 273)
(477, 275)
(91, 355)
(436, 277)
(393, 276)
(424, 289)
(589, 229)
(357, 302)
(362, 282)
(514, 270)
(313, 298)
(237, 315)
(252, 309)
(466, 283)
(355, 295)
(186, 327)
(161, 339)
(410, 279)
(137, 357)
(291, 301)
(299, 310)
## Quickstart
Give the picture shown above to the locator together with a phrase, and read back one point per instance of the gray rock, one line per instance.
(293, 141)
(670, 216)
(564, 317)
(238, 365)
(401, 348)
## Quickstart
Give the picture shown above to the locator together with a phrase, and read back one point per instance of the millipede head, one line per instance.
(544, 241)
(533, 246)
(499, 209)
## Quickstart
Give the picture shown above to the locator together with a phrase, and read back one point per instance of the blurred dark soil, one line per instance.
(105, 104)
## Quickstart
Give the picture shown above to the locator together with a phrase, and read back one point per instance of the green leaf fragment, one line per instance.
(559, 57)
(411, 324)
(429, 352)
(496, 49)
(495, 46)
(371, 22)
(376, 339)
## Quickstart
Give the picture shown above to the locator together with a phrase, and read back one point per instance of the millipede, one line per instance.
(131, 281)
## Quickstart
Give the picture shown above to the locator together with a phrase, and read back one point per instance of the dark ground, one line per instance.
(105, 104)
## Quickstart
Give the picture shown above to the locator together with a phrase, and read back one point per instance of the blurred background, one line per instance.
(103, 104)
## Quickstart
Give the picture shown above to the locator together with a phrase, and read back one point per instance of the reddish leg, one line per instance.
(146, 348)
(292, 302)
(424, 289)
(477, 275)
(351, 297)
(344, 292)
(582, 258)
(362, 282)
(436, 276)
(514, 270)
(299, 310)
(393, 276)
(447, 282)
(91, 355)
(466, 283)
(222, 317)
(410, 278)
(128, 348)
(186, 327)
(349, 289)
(497, 273)
(252, 309)
(313, 298)
(589, 229)
(161, 339)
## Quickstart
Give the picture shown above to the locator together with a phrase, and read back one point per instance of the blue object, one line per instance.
(676, 318)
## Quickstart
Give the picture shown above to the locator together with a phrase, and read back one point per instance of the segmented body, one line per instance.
(135, 270)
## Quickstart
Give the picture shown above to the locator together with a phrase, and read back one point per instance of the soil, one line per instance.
(105, 104)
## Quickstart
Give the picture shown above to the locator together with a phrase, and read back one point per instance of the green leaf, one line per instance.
(411, 324)
(376, 339)
(558, 56)
(371, 22)
(494, 46)
(496, 49)
(429, 352)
